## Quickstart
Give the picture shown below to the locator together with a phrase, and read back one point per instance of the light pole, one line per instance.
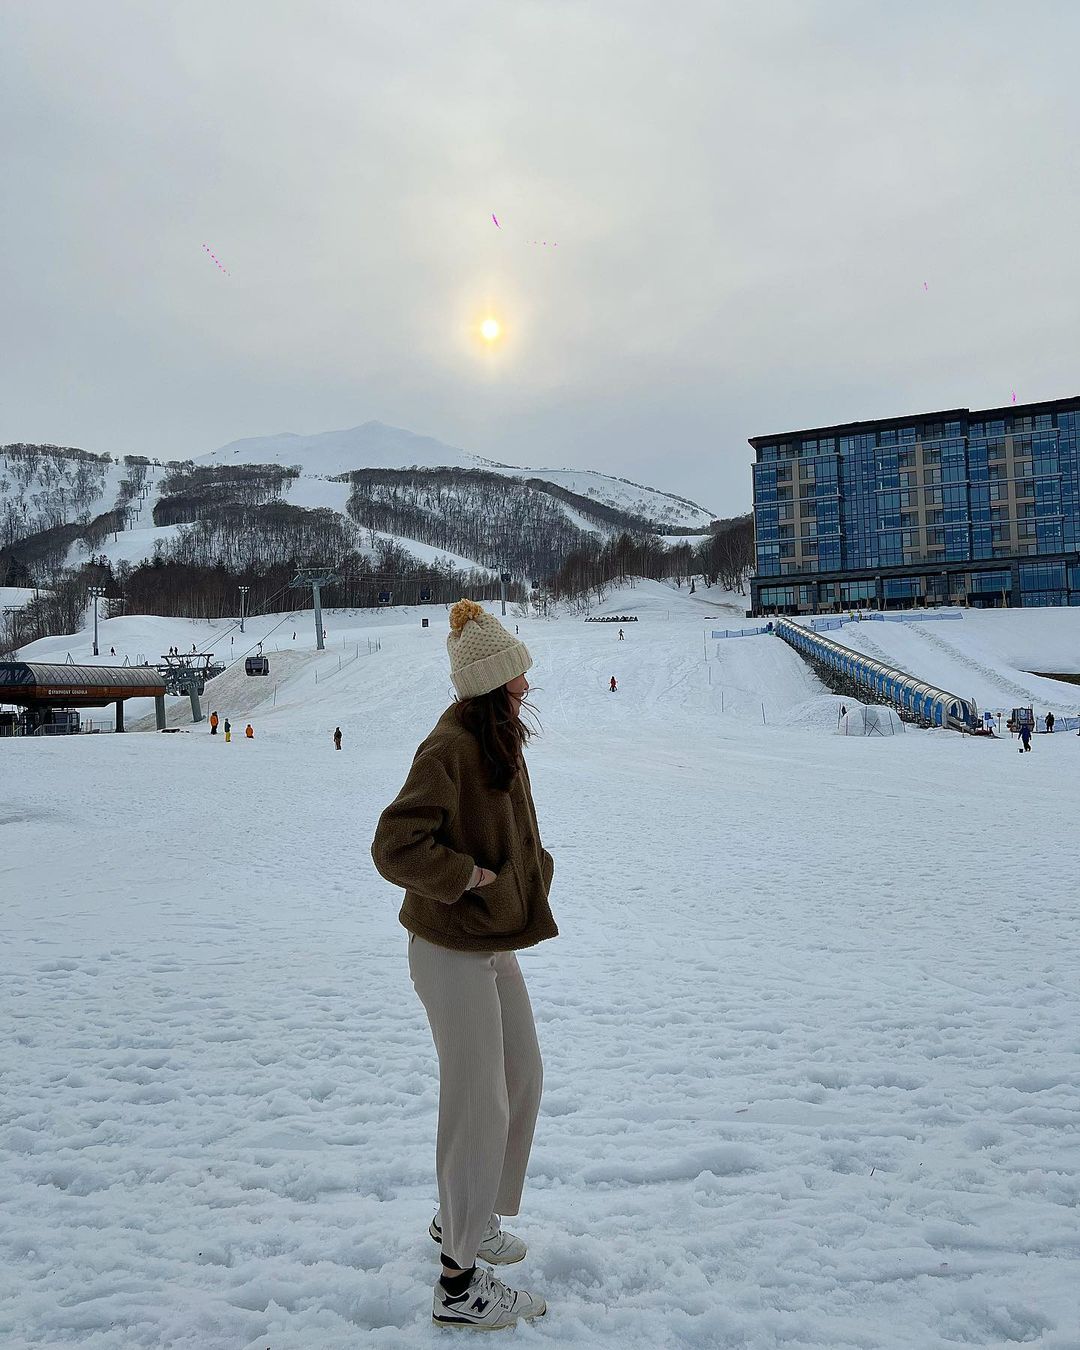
(95, 592)
(243, 604)
(504, 581)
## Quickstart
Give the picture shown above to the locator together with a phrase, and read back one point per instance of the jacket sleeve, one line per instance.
(406, 848)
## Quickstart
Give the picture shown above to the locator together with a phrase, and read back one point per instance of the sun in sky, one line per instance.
(490, 329)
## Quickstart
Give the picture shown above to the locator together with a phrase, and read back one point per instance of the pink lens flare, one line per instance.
(925, 286)
(225, 270)
(540, 243)
(1014, 396)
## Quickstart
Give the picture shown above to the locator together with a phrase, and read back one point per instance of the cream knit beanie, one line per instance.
(483, 655)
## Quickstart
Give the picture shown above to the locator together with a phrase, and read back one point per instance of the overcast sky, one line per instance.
(767, 215)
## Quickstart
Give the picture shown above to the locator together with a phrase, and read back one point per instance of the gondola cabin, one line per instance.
(256, 665)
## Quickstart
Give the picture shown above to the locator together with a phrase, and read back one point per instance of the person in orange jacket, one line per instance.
(213, 723)
(249, 732)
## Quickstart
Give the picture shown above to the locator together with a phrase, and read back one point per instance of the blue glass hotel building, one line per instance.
(958, 507)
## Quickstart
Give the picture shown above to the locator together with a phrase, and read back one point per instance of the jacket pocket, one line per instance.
(495, 909)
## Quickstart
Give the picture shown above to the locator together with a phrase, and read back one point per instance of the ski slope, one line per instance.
(810, 1029)
(986, 655)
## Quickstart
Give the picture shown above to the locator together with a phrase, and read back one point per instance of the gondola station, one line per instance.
(49, 696)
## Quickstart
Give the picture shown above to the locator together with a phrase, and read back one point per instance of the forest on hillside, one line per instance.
(238, 531)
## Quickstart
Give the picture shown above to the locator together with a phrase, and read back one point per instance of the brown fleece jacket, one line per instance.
(444, 821)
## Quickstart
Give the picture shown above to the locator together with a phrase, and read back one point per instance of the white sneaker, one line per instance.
(487, 1304)
(497, 1247)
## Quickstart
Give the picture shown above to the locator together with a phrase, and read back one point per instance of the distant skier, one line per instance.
(112, 651)
(1025, 736)
(614, 686)
(294, 635)
(337, 738)
(1049, 721)
(249, 732)
(228, 731)
(622, 636)
(213, 723)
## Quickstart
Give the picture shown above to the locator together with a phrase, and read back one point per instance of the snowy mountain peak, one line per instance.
(375, 445)
(372, 445)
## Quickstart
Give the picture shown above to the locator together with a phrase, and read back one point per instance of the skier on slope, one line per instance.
(1025, 736)
(614, 686)
(337, 738)
(213, 723)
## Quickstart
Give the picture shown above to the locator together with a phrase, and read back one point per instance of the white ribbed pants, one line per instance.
(490, 1080)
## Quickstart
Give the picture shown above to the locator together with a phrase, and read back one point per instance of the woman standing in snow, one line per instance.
(462, 839)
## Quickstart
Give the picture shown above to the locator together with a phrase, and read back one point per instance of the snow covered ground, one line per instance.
(14, 597)
(375, 445)
(986, 654)
(811, 1029)
(130, 546)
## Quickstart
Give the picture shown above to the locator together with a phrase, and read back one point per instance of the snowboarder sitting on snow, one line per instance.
(249, 732)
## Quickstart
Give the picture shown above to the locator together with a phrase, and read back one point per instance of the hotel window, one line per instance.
(935, 538)
(1000, 534)
(931, 475)
(999, 492)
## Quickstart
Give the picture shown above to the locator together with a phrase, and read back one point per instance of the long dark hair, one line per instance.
(493, 719)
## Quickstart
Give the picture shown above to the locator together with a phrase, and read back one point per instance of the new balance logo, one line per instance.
(480, 1305)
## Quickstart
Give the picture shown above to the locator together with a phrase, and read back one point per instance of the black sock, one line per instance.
(457, 1284)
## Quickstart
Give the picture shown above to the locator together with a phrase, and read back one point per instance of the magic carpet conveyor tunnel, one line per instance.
(43, 689)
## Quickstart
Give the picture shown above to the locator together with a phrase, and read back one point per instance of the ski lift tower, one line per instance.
(316, 578)
(190, 674)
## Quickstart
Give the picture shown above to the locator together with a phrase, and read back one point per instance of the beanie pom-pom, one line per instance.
(462, 612)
